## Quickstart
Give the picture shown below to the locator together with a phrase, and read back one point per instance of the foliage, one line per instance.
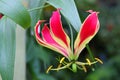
(7, 49)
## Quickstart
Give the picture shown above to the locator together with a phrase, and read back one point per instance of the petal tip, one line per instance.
(58, 9)
(91, 11)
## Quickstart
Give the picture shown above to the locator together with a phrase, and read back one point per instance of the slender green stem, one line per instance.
(37, 8)
(90, 52)
(66, 66)
(71, 37)
(91, 56)
(71, 34)
(81, 63)
(64, 63)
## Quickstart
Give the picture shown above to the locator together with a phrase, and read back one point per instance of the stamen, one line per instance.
(62, 60)
(59, 65)
(49, 69)
(100, 61)
(63, 67)
(84, 68)
(89, 63)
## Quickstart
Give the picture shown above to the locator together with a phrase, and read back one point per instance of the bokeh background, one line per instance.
(105, 45)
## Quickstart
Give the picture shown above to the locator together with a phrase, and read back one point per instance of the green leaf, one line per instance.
(35, 15)
(7, 48)
(69, 10)
(16, 11)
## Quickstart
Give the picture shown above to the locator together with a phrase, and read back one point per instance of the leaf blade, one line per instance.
(7, 49)
(36, 14)
(16, 11)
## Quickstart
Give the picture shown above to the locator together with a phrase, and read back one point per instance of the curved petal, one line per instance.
(46, 35)
(47, 41)
(88, 30)
(57, 30)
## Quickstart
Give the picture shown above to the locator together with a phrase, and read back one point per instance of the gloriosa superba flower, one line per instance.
(55, 38)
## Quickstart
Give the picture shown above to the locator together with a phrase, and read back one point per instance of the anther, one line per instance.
(59, 65)
(84, 68)
(100, 61)
(49, 69)
(89, 63)
(62, 60)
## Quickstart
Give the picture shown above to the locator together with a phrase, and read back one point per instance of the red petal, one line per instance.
(57, 29)
(47, 36)
(37, 31)
(47, 40)
(88, 30)
(89, 26)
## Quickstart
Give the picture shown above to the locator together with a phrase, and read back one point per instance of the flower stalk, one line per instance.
(90, 52)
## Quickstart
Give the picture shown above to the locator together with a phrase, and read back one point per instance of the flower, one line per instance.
(55, 37)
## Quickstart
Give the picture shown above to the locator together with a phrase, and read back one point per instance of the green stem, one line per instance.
(82, 63)
(90, 52)
(71, 34)
(91, 55)
(66, 66)
(71, 37)
(64, 63)
(37, 8)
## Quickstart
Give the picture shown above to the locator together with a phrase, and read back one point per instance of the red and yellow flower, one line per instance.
(55, 37)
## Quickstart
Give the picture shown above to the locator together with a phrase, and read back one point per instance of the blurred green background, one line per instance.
(105, 45)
